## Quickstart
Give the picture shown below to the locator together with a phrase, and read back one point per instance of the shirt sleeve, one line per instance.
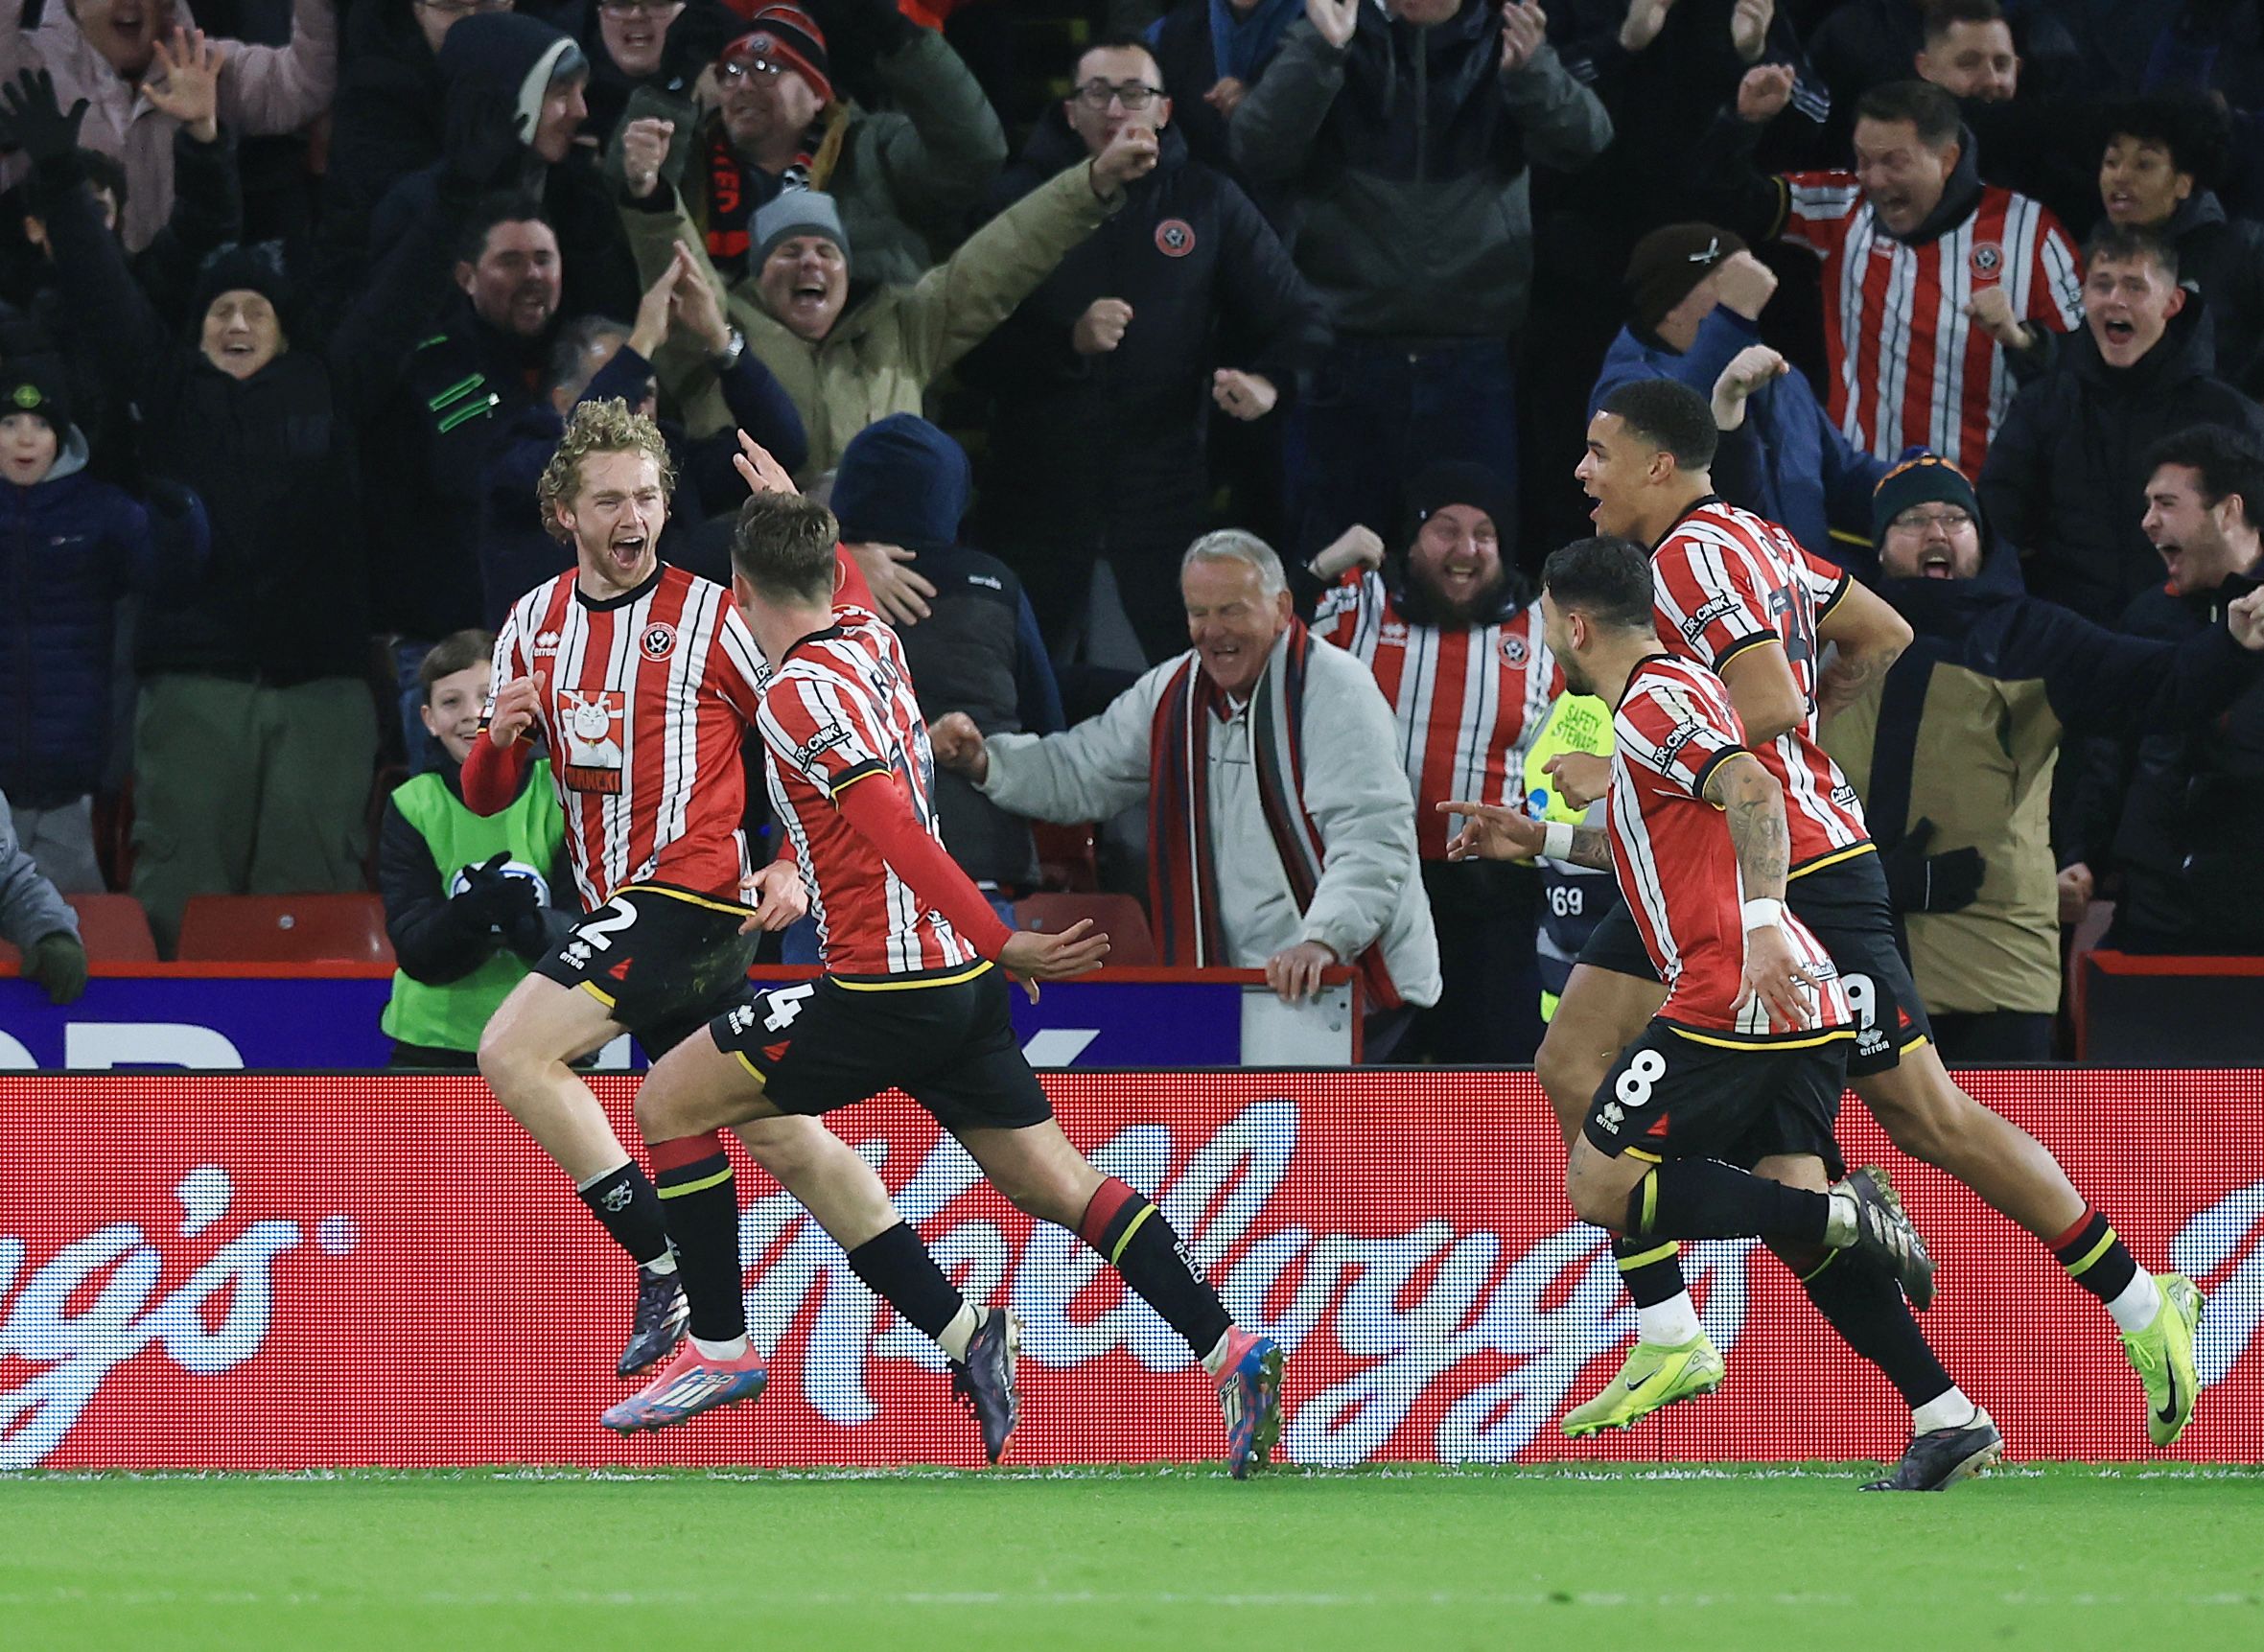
(1708, 597)
(817, 726)
(740, 671)
(1818, 206)
(2055, 285)
(1824, 582)
(1675, 735)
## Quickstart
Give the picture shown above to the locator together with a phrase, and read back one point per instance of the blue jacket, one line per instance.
(1789, 462)
(70, 547)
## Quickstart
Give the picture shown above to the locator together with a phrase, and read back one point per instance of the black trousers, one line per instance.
(1488, 1012)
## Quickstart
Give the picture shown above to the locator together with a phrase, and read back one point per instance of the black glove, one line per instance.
(483, 145)
(858, 31)
(492, 897)
(32, 121)
(695, 39)
(533, 932)
(59, 963)
(1921, 882)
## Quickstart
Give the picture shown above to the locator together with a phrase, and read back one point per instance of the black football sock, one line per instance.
(897, 1267)
(1865, 1305)
(623, 1200)
(2099, 1262)
(1703, 1199)
(1140, 1244)
(700, 1202)
(1651, 1269)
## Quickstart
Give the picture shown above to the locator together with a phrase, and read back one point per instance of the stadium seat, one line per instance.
(285, 929)
(1120, 918)
(113, 927)
(1066, 857)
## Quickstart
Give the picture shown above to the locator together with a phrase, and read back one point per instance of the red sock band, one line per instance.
(675, 1155)
(2076, 1232)
(1110, 1197)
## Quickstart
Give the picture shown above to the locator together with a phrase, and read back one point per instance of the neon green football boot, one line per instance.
(1652, 1377)
(2163, 1355)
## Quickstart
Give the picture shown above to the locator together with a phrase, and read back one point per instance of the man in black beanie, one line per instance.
(1451, 629)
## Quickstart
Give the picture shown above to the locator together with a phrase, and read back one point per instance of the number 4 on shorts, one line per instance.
(785, 1004)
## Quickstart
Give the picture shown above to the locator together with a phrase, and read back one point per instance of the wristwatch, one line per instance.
(723, 360)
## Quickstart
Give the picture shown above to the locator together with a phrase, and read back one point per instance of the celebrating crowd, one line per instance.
(1198, 388)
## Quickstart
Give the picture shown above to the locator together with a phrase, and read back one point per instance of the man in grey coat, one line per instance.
(1281, 833)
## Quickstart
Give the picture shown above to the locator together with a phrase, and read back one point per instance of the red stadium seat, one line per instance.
(113, 927)
(285, 929)
(1119, 916)
(1066, 855)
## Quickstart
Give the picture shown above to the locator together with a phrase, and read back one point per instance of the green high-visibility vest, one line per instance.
(450, 1017)
(1576, 723)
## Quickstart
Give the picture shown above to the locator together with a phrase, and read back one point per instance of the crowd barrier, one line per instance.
(281, 1272)
(227, 1017)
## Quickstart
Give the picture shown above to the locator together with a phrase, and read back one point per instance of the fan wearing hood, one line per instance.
(71, 549)
(903, 483)
(2063, 478)
(1955, 748)
(1451, 629)
(1911, 221)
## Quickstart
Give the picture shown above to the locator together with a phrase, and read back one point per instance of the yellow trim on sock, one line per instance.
(1661, 1253)
(701, 1186)
(1131, 1228)
(2076, 1269)
(1648, 1187)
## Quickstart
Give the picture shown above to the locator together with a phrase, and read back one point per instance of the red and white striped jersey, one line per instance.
(1724, 580)
(839, 709)
(646, 698)
(1672, 852)
(1910, 368)
(1468, 702)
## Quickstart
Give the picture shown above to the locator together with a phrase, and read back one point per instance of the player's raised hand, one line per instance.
(958, 745)
(1580, 776)
(762, 474)
(2244, 618)
(903, 592)
(189, 90)
(1031, 956)
(1779, 979)
(516, 704)
(1295, 971)
(778, 897)
(1492, 832)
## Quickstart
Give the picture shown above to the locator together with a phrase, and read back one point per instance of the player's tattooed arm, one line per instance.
(1592, 847)
(1866, 637)
(1755, 803)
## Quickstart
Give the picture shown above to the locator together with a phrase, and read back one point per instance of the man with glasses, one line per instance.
(904, 177)
(1183, 307)
(1404, 134)
(1965, 835)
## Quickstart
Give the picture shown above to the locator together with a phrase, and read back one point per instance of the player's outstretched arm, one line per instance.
(1491, 832)
(880, 810)
(1032, 956)
(1754, 802)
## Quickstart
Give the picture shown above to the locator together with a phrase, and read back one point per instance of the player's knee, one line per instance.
(505, 1055)
(1927, 1121)
(1596, 1195)
(1569, 1076)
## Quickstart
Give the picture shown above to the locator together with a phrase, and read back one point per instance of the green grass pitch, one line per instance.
(2059, 1558)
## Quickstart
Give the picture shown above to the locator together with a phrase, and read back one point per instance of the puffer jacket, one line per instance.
(70, 547)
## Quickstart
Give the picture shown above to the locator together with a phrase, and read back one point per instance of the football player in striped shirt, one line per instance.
(1735, 593)
(1717, 1118)
(914, 997)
